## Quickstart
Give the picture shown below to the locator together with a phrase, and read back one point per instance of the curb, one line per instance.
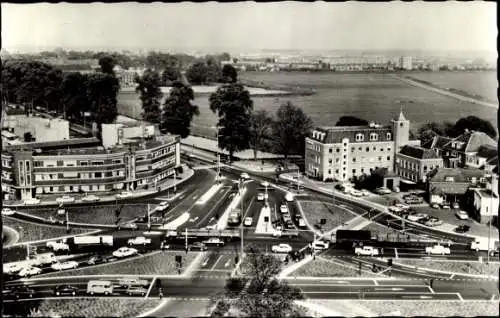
(447, 272)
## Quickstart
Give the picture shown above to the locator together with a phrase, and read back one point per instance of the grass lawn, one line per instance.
(385, 233)
(95, 214)
(315, 211)
(159, 263)
(86, 307)
(327, 268)
(475, 268)
(32, 232)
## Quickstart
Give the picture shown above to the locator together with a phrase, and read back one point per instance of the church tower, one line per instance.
(401, 131)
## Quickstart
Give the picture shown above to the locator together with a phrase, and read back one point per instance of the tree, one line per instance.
(179, 111)
(214, 72)
(259, 293)
(74, 95)
(290, 129)
(472, 123)
(229, 74)
(371, 181)
(107, 64)
(102, 91)
(351, 121)
(233, 106)
(169, 75)
(197, 73)
(149, 87)
(261, 127)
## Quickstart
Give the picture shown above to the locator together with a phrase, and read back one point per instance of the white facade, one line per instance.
(118, 134)
(406, 62)
(42, 129)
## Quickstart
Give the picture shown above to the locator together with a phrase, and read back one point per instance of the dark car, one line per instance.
(65, 290)
(23, 292)
(96, 259)
(423, 220)
(197, 246)
(9, 294)
(462, 228)
(136, 290)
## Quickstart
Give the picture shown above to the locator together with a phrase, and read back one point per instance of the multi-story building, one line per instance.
(340, 153)
(41, 129)
(29, 172)
(406, 62)
(414, 163)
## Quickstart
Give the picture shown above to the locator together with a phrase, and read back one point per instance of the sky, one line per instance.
(449, 26)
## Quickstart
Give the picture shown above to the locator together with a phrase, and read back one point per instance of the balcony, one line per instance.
(80, 168)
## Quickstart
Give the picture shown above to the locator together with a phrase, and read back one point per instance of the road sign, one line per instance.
(266, 219)
(178, 258)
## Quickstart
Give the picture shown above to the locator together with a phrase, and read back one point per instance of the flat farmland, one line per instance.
(338, 95)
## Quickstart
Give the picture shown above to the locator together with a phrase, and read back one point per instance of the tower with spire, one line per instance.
(401, 131)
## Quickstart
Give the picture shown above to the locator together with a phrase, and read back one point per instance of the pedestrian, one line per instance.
(160, 292)
(382, 251)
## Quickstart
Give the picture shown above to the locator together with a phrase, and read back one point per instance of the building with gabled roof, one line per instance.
(414, 163)
(451, 184)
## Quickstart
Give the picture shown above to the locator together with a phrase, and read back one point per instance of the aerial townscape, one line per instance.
(249, 160)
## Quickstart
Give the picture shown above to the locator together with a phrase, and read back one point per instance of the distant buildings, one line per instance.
(405, 63)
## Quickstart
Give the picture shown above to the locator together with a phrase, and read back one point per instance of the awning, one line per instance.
(407, 181)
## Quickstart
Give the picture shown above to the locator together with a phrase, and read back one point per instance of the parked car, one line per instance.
(433, 222)
(382, 190)
(90, 198)
(162, 206)
(277, 232)
(127, 282)
(29, 271)
(124, 252)
(248, 221)
(139, 240)
(395, 209)
(455, 205)
(402, 206)
(124, 195)
(289, 197)
(438, 250)
(136, 290)
(96, 259)
(262, 196)
(287, 217)
(445, 205)
(462, 215)
(320, 245)
(18, 292)
(283, 208)
(366, 251)
(57, 246)
(33, 201)
(65, 199)
(462, 228)
(281, 248)
(197, 246)
(365, 192)
(289, 225)
(214, 241)
(65, 290)
(245, 176)
(423, 220)
(435, 206)
(417, 216)
(132, 226)
(356, 193)
(12, 268)
(7, 211)
(64, 265)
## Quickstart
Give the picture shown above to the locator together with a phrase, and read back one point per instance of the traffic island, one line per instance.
(321, 267)
(264, 225)
(473, 268)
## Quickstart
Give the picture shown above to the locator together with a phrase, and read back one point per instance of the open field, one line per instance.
(95, 214)
(85, 307)
(315, 211)
(34, 232)
(157, 263)
(410, 308)
(475, 268)
(328, 268)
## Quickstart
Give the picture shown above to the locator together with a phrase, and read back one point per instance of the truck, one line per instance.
(93, 240)
(481, 244)
(366, 251)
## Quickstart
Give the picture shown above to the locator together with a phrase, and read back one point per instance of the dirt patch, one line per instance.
(328, 268)
(474, 268)
(334, 216)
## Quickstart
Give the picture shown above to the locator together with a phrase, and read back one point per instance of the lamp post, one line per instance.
(218, 154)
(240, 185)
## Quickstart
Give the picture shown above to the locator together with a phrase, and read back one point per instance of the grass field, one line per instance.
(87, 307)
(328, 268)
(475, 268)
(95, 214)
(315, 211)
(159, 263)
(34, 232)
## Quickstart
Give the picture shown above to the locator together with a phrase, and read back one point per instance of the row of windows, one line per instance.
(367, 149)
(156, 154)
(73, 163)
(79, 175)
(363, 159)
(373, 137)
(362, 170)
(414, 166)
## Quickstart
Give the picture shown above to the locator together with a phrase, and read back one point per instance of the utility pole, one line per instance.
(240, 185)
(298, 181)
(175, 179)
(489, 227)
(149, 219)
(218, 157)
(67, 221)
(186, 238)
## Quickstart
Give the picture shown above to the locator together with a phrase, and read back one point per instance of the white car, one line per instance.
(245, 176)
(356, 193)
(462, 215)
(281, 248)
(365, 192)
(366, 251)
(124, 195)
(395, 209)
(416, 217)
(64, 265)
(140, 240)
(7, 211)
(248, 221)
(438, 249)
(90, 198)
(124, 252)
(402, 206)
(11, 268)
(65, 199)
(162, 206)
(262, 196)
(57, 246)
(289, 197)
(283, 208)
(277, 233)
(29, 271)
(33, 201)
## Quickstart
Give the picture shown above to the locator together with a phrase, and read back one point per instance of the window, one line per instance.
(360, 137)
(331, 150)
(345, 144)
(329, 171)
(60, 163)
(97, 163)
(362, 170)
(388, 136)
(60, 175)
(117, 161)
(352, 149)
(337, 171)
(343, 168)
(374, 148)
(338, 149)
(353, 171)
(38, 163)
(353, 159)
(388, 158)
(98, 175)
(337, 160)
(360, 148)
(401, 125)
(345, 156)
(379, 158)
(425, 168)
(389, 149)
(84, 163)
(330, 161)
(373, 136)
(367, 149)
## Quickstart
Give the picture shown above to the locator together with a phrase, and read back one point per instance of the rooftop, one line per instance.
(457, 175)
(485, 193)
(470, 141)
(488, 152)
(419, 152)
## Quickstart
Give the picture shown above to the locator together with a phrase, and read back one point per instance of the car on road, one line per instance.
(402, 206)
(414, 199)
(197, 246)
(277, 232)
(124, 252)
(7, 211)
(433, 222)
(136, 290)
(57, 246)
(18, 292)
(33, 201)
(281, 248)
(289, 225)
(11, 268)
(365, 192)
(96, 259)
(424, 220)
(320, 245)
(395, 209)
(90, 198)
(124, 195)
(162, 206)
(302, 223)
(438, 250)
(132, 226)
(462, 228)
(356, 193)
(262, 196)
(462, 215)
(139, 240)
(128, 282)
(65, 199)
(65, 290)
(248, 221)
(283, 208)
(366, 251)
(435, 206)
(245, 176)
(214, 241)
(100, 287)
(445, 205)
(289, 197)
(29, 271)
(382, 190)
(64, 265)
(417, 216)
(286, 217)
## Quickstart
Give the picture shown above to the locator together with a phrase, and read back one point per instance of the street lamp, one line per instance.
(265, 184)
(218, 155)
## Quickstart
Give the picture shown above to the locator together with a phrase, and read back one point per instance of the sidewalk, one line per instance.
(107, 197)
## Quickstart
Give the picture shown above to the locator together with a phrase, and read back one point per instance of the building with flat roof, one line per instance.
(41, 129)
